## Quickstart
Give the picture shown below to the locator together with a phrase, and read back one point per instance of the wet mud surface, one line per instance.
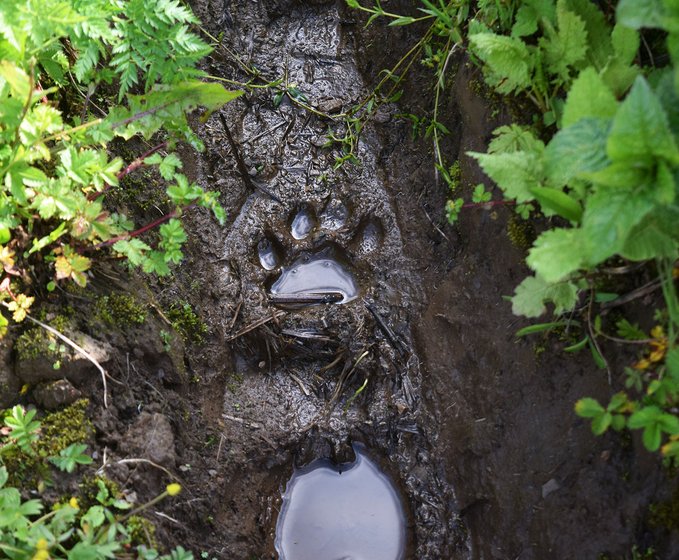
(341, 309)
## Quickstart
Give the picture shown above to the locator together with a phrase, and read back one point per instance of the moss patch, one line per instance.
(187, 323)
(119, 310)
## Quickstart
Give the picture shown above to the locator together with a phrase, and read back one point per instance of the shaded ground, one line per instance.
(475, 427)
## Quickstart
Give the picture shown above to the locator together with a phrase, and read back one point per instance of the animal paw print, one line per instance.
(316, 258)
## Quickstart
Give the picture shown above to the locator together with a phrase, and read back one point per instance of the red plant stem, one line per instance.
(138, 232)
(136, 164)
(489, 203)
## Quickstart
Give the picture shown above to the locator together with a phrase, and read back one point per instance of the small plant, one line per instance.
(55, 167)
(22, 430)
(71, 457)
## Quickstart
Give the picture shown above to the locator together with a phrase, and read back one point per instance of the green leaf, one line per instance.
(529, 14)
(588, 97)
(530, 297)
(541, 327)
(589, 408)
(558, 202)
(567, 46)
(609, 217)
(577, 346)
(619, 422)
(601, 423)
(640, 13)
(134, 249)
(514, 138)
(515, 173)
(556, 254)
(596, 355)
(508, 60)
(578, 149)
(18, 80)
(655, 236)
(640, 128)
(625, 43)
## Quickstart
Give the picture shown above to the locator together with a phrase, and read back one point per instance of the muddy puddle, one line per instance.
(313, 295)
(350, 511)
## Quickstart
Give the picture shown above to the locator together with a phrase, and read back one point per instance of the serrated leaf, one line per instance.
(567, 46)
(530, 297)
(508, 61)
(515, 173)
(556, 254)
(588, 97)
(578, 149)
(609, 218)
(640, 130)
(558, 202)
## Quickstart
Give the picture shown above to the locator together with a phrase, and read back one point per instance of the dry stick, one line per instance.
(256, 324)
(241, 164)
(306, 298)
(235, 314)
(391, 337)
(75, 346)
(634, 294)
(138, 460)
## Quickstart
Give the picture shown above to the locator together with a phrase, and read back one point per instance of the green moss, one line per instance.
(63, 428)
(36, 341)
(98, 490)
(58, 430)
(455, 173)
(119, 310)
(187, 323)
(666, 514)
(141, 531)
(520, 233)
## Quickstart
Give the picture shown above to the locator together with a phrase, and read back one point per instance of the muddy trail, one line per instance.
(349, 327)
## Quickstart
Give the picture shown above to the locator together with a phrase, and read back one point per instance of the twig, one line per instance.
(256, 324)
(253, 425)
(138, 460)
(634, 294)
(242, 169)
(391, 337)
(76, 347)
(235, 314)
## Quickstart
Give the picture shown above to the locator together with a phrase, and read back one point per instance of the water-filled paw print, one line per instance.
(316, 258)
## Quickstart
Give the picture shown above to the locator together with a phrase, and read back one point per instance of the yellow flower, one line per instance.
(24, 389)
(658, 332)
(41, 552)
(642, 364)
(73, 502)
(173, 489)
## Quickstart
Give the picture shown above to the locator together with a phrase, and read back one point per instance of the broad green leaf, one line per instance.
(617, 401)
(515, 173)
(640, 13)
(640, 128)
(655, 236)
(530, 297)
(620, 175)
(556, 254)
(619, 422)
(588, 97)
(625, 43)
(508, 61)
(578, 149)
(609, 217)
(134, 249)
(558, 202)
(589, 408)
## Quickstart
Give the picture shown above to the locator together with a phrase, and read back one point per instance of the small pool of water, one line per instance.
(316, 274)
(341, 512)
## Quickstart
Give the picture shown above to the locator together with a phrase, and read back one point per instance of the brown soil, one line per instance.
(476, 427)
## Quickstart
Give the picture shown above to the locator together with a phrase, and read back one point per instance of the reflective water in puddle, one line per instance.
(303, 222)
(350, 512)
(316, 274)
